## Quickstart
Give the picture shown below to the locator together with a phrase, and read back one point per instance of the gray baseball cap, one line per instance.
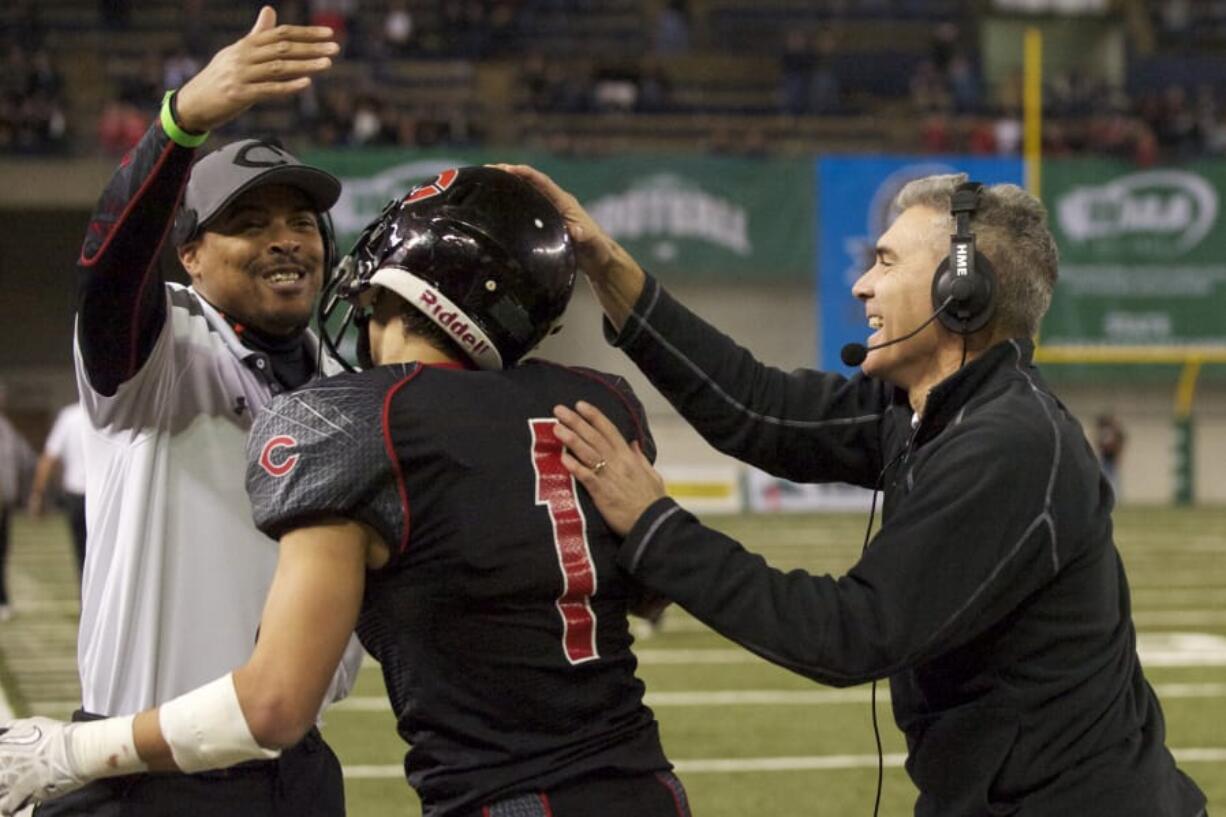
(220, 178)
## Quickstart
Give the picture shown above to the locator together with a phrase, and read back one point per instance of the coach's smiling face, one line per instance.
(260, 261)
(896, 293)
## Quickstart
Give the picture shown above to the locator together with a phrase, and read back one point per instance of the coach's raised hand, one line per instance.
(613, 273)
(270, 62)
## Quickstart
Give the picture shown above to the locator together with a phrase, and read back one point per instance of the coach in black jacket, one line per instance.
(993, 597)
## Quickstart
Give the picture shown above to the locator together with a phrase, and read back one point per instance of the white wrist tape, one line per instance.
(206, 729)
(104, 748)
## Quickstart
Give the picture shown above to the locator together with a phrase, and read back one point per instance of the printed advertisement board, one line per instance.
(1142, 256)
(708, 218)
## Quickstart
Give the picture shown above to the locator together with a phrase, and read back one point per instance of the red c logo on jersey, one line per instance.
(278, 469)
(434, 188)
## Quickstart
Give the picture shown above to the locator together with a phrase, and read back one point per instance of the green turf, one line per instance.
(1176, 561)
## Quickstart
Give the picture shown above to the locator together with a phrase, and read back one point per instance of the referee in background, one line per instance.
(16, 463)
(64, 454)
(170, 378)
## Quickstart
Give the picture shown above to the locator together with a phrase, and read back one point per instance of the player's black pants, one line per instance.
(304, 782)
(4, 552)
(657, 794)
(74, 507)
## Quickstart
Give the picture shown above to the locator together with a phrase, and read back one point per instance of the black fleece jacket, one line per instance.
(993, 597)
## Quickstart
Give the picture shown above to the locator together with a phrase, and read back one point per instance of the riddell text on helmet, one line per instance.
(451, 320)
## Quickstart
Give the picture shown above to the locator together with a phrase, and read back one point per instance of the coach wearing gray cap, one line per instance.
(170, 376)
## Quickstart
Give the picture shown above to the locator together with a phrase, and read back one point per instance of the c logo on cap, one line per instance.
(284, 466)
(281, 157)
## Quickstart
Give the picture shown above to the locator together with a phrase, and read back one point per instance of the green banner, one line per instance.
(1143, 257)
(709, 218)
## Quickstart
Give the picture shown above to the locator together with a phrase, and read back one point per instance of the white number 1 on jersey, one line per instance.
(555, 489)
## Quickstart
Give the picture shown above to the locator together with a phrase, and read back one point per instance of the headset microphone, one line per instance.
(853, 354)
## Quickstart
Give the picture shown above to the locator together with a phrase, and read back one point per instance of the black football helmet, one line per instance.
(478, 250)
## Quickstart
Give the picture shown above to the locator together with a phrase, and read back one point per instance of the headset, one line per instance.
(964, 285)
(327, 231)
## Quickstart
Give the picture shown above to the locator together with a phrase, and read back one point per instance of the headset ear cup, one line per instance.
(942, 285)
(972, 298)
(327, 232)
(983, 298)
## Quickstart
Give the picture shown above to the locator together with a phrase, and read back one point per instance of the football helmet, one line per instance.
(478, 250)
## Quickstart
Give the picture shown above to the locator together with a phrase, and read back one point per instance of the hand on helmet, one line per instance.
(36, 763)
(614, 274)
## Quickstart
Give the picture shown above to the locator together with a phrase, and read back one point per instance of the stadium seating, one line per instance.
(585, 75)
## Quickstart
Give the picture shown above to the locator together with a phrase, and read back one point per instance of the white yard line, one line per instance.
(780, 697)
(1176, 580)
(1149, 617)
(1178, 618)
(1155, 650)
(784, 764)
(698, 655)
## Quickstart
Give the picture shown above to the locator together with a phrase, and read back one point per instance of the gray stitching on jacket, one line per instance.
(641, 320)
(1055, 463)
(1043, 518)
(651, 531)
(740, 407)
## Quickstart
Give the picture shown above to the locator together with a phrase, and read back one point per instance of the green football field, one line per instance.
(746, 738)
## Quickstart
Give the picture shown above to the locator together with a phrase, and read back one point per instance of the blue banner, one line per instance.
(854, 196)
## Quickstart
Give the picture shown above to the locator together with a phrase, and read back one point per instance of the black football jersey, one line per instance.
(500, 620)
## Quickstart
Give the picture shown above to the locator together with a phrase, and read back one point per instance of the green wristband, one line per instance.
(174, 131)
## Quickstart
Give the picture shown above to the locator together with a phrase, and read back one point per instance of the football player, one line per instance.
(425, 501)
(169, 377)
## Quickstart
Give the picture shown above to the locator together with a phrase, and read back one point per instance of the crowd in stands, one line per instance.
(336, 118)
(32, 117)
(940, 93)
(1082, 114)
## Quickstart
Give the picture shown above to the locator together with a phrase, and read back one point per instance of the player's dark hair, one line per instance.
(415, 323)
